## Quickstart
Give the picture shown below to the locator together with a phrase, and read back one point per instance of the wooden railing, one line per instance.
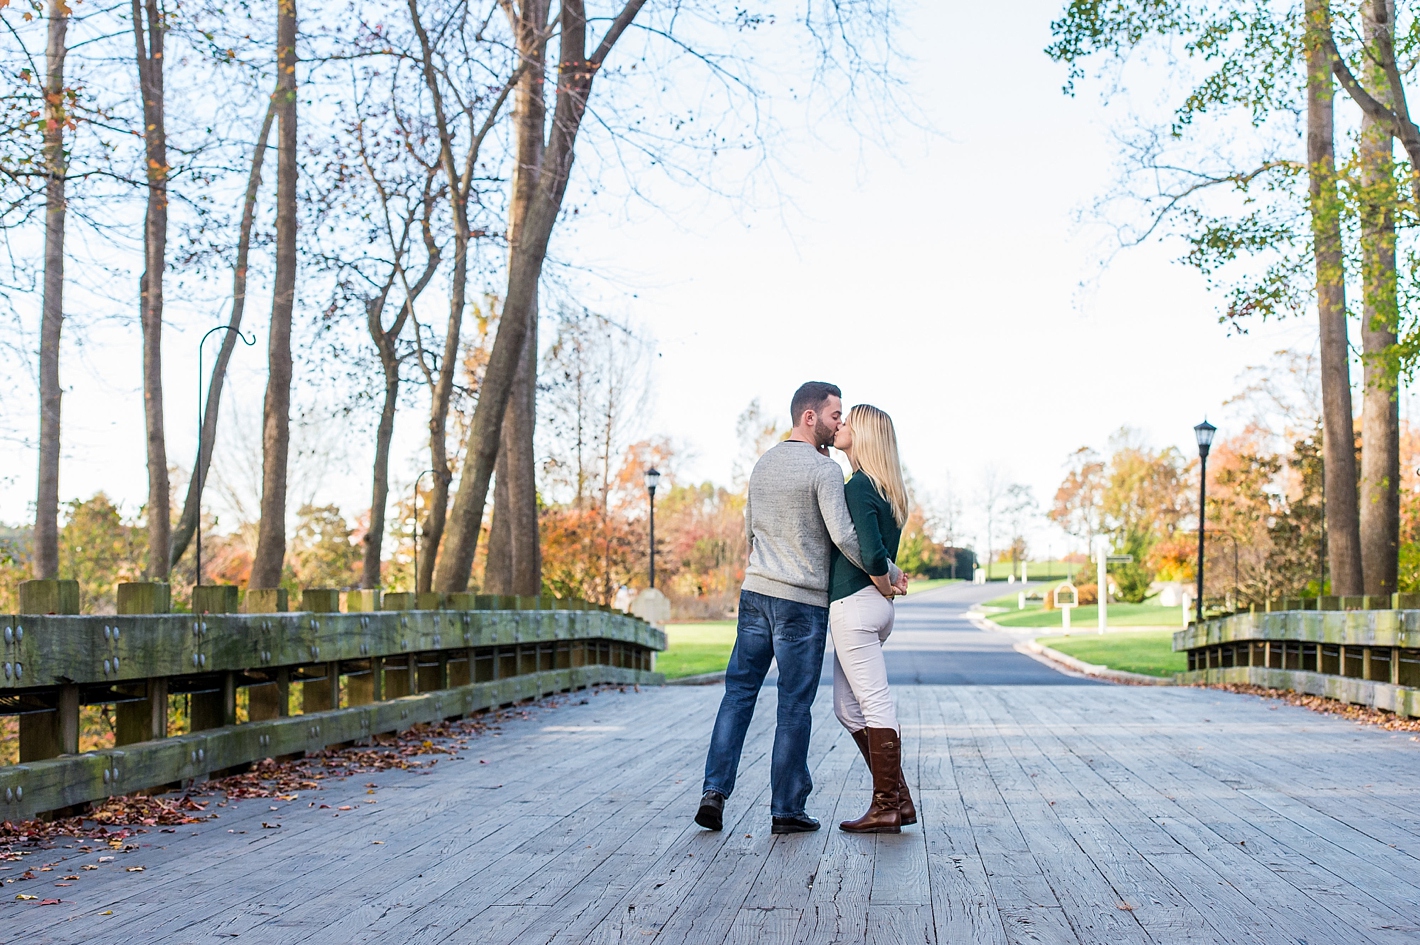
(360, 673)
(1351, 649)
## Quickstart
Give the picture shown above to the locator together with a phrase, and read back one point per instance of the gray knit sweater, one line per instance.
(794, 510)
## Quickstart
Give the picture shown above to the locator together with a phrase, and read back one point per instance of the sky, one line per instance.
(943, 269)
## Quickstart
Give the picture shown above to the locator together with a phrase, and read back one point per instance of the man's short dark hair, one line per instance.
(811, 396)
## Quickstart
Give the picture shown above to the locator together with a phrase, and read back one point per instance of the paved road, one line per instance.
(934, 644)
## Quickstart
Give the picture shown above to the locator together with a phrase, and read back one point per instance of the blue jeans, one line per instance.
(771, 628)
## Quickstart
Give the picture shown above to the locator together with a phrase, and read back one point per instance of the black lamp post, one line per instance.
(417, 480)
(653, 478)
(201, 421)
(1204, 434)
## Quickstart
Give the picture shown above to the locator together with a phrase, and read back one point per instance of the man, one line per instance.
(794, 509)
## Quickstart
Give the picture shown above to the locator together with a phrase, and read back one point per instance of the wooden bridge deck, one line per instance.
(1049, 814)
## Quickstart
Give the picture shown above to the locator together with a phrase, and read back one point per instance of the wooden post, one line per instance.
(413, 663)
(214, 599)
(320, 600)
(265, 600)
(229, 698)
(402, 600)
(429, 600)
(362, 601)
(145, 597)
(318, 695)
(49, 597)
(142, 720)
(264, 701)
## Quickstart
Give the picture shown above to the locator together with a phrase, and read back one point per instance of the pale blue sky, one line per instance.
(939, 273)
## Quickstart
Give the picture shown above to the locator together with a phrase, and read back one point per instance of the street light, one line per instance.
(1204, 434)
(417, 480)
(653, 478)
(201, 421)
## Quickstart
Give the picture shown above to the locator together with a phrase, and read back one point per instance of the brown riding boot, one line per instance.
(905, 807)
(884, 761)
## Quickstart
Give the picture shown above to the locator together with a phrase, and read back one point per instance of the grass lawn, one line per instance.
(696, 648)
(1083, 618)
(1036, 570)
(1144, 651)
(930, 584)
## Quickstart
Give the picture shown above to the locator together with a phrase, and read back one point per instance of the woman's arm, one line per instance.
(859, 494)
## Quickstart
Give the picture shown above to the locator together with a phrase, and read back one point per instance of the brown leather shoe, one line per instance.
(884, 760)
(905, 807)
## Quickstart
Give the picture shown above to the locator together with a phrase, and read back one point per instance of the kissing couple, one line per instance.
(820, 558)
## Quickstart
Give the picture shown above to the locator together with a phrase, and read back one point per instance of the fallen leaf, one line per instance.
(134, 869)
(378, 842)
(25, 896)
(269, 826)
(345, 807)
(105, 859)
(1124, 907)
(50, 902)
(64, 884)
(90, 866)
(106, 912)
(72, 877)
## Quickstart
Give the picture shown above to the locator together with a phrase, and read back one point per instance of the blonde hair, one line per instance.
(875, 453)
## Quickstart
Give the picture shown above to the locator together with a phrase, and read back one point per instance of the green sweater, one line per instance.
(878, 536)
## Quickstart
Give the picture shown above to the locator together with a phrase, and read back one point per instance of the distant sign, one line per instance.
(1120, 559)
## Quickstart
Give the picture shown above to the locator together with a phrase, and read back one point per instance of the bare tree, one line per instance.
(575, 74)
(276, 410)
(994, 489)
(52, 318)
(149, 28)
(405, 186)
(450, 105)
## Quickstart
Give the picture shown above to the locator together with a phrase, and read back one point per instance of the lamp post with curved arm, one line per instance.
(201, 422)
(418, 479)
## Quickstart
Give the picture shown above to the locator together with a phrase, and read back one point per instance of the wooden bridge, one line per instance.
(1052, 810)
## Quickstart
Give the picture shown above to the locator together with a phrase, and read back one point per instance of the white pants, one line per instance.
(860, 624)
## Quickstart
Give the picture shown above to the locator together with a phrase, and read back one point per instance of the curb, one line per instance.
(1032, 648)
(704, 679)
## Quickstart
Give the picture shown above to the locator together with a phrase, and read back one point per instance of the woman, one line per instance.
(860, 615)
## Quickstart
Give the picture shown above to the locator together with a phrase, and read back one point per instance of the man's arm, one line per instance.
(833, 506)
(749, 522)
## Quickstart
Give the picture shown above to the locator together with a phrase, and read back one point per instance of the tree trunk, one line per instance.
(192, 505)
(521, 419)
(52, 318)
(514, 561)
(276, 412)
(517, 460)
(1380, 413)
(1339, 443)
(498, 562)
(149, 57)
(379, 498)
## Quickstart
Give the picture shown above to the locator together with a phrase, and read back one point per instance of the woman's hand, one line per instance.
(884, 586)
